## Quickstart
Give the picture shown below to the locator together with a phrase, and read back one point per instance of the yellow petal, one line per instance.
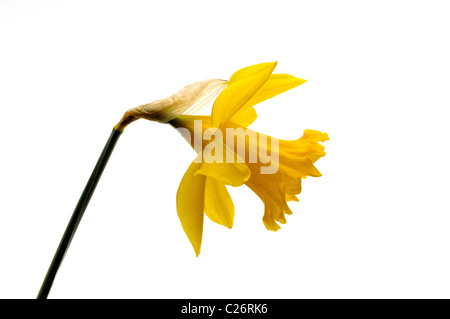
(249, 71)
(276, 84)
(245, 116)
(270, 190)
(231, 170)
(190, 205)
(218, 204)
(315, 136)
(291, 197)
(238, 93)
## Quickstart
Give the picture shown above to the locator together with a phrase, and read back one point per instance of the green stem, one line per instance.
(78, 213)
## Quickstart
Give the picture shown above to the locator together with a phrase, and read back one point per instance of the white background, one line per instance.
(375, 225)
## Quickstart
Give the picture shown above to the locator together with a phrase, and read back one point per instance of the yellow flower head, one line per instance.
(231, 154)
(272, 168)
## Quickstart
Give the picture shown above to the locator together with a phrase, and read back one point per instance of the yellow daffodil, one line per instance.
(203, 187)
(272, 168)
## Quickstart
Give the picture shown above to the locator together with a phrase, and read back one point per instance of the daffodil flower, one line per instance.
(203, 187)
(272, 170)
